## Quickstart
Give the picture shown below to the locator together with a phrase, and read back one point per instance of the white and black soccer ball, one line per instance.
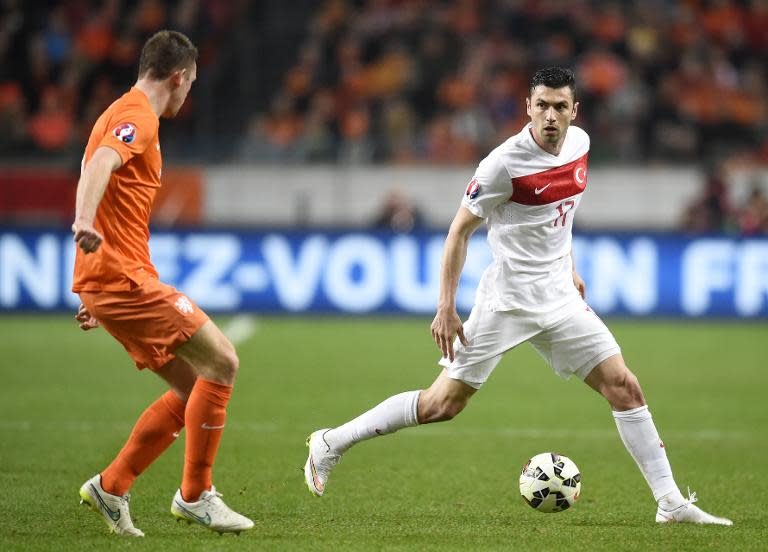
(550, 482)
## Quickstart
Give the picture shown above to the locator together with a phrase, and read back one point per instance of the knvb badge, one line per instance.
(184, 305)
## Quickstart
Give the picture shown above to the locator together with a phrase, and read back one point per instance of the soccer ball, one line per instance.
(550, 482)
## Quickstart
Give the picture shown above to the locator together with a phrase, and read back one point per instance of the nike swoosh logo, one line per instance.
(315, 479)
(202, 520)
(206, 426)
(114, 516)
(537, 191)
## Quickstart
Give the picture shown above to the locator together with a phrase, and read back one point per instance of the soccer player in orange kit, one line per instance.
(160, 328)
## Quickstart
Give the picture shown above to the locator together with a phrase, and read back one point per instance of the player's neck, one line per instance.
(553, 149)
(156, 92)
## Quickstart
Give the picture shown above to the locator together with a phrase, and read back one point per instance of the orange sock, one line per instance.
(154, 431)
(204, 417)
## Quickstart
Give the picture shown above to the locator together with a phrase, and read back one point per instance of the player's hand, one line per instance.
(87, 322)
(578, 281)
(445, 327)
(86, 236)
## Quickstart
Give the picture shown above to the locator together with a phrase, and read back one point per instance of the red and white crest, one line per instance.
(551, 185)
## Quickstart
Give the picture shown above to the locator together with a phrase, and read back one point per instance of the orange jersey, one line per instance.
(130, 127)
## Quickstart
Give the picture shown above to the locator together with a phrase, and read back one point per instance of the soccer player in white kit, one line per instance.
(527, 190)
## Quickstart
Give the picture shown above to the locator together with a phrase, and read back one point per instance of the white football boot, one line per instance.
(688, 513)
(113, 508)
(320, 461)
(210, 512)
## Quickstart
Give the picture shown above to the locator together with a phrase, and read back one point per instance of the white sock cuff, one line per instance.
(639, 414)
(412, 408)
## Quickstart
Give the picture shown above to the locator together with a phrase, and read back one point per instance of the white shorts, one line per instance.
(572, 340)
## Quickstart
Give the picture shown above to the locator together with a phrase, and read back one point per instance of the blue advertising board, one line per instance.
(358, 272)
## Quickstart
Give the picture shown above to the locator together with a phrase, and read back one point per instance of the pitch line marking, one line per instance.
(240, 328)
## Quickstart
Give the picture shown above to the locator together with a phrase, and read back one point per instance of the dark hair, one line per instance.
(164, 53)
(554, 77)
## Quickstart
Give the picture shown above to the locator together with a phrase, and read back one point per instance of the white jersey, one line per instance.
(529, 198)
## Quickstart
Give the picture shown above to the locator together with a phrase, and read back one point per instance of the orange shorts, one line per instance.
(151, 321)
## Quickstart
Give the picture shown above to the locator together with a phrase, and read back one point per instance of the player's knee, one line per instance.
(226, 365)
(231, 363)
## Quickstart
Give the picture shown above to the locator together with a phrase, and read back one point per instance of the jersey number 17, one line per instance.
(563, 209)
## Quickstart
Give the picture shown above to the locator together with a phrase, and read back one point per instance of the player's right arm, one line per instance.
(490, 186)
(447, 324)
(86, 319)
(90, 190)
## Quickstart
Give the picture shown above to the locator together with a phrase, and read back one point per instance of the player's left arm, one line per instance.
(578, 281)
(90, 190)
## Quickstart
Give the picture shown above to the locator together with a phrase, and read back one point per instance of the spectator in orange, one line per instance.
(95, 39)
(51, 127)
(355, 145)
(602, 72)
(724, 21)
(12, 116)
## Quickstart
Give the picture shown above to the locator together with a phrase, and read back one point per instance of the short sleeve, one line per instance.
(130, 132)
(489, 187)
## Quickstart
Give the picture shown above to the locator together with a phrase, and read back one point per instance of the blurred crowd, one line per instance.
(715, 212)
(63, 62)
(404, 82)
(444, 82)
(396, 81)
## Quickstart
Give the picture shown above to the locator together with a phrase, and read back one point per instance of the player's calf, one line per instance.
(440, 410)
(443, 400)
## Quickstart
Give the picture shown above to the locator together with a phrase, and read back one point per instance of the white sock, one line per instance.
(394, 413)
(641, 439)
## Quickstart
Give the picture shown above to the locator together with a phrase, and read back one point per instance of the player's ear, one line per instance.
(575, 110)
(177, 77)
(528, 106)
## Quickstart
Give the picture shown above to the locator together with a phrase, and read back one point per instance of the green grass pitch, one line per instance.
(68, 400)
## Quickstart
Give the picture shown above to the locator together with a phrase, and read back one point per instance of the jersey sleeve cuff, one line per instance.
(474, 209)
(125, 156)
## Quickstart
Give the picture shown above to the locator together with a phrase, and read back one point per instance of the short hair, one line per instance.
(554, 77)
(164, 53)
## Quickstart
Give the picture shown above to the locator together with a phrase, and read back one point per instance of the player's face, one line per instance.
(551, 111)
(182, 82)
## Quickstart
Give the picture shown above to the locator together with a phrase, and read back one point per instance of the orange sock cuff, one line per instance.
(175, 406)
(215, 392)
